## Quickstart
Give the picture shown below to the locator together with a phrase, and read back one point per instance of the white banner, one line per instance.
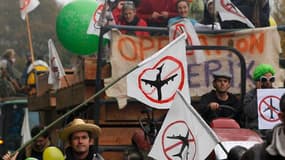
(268, 107)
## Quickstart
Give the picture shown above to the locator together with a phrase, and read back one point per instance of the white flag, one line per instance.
(228, 12)
(184, 25)
(25, 131)
(99, 19)
(56, 70)
(26, 6)
(184, 134)
(158, 77)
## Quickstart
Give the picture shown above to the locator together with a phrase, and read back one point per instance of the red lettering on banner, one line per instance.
(132, 49)
(259, 43)
(162, 41)
(203, 41)
(145, 43)
(242, 45)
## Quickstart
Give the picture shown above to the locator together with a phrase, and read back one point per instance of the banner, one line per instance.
(183, 134)
(261, 45)
(158, 77)
(229, 12)
(27, 6)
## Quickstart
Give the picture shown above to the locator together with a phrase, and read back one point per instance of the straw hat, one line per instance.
(79, 125)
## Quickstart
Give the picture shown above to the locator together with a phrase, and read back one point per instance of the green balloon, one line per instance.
(31, 158)
(72, 24)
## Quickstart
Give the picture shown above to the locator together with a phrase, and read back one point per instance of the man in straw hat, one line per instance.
(80, 139)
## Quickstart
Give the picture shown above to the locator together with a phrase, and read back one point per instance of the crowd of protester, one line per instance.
(166, 12)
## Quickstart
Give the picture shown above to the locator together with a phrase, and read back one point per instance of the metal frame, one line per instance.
(100, 62)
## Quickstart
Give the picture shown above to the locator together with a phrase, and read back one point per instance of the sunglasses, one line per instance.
(264, 79)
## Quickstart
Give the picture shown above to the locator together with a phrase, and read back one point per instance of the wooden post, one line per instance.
(30, 38)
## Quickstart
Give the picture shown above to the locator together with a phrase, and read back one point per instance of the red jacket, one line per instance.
(136, 22)
(147, 7)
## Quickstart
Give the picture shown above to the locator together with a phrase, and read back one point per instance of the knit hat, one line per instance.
(262, 69)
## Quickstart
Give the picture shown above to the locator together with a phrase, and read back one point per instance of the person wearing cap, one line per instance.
(263, 76)
(210, 102)
(79, 136)
(274, 146)
(129, 17)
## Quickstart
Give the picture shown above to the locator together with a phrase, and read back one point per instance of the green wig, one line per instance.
(262, 69)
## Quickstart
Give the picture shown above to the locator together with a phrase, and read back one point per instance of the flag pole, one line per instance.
(74, 109)
(67, 83)
(30, 37)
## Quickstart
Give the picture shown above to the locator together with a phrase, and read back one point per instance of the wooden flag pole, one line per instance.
(30, 38)
(73, 110)
(67, 83)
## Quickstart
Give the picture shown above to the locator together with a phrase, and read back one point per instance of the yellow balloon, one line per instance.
(272, 21)
(52, 153)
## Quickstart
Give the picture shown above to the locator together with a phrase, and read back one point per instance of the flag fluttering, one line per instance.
(183, 134)
(158, 77)
(185, 26)
(99, 19)
(229, 12)
(25, 131)
(56, 70)
(27, 6)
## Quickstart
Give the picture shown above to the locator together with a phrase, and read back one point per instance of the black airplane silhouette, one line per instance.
(185, 143)
(271, 110)
(158, 83)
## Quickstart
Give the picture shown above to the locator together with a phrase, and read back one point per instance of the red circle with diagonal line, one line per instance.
(25, 4)
(180, 86)
(230, 8)
(263, 102)
(171, 145)
(98, 12)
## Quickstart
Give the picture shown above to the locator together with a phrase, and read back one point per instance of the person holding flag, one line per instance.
(274, 147)
(182, 7)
